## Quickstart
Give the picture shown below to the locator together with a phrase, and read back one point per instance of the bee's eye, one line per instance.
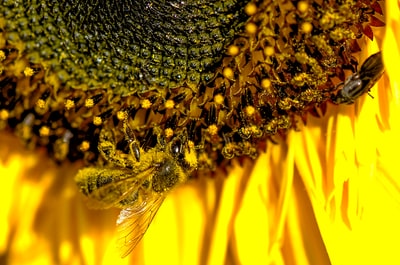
(176, 148)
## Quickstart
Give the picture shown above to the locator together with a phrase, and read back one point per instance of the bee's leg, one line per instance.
(107, 149)
(133, 143)
(160, 137)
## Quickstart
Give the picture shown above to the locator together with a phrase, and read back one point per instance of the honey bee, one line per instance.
(361, 81)
(136, 182)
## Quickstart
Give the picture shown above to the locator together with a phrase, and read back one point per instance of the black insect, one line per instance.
(360, 82)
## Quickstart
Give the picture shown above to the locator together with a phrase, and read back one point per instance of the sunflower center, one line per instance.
(130, 46)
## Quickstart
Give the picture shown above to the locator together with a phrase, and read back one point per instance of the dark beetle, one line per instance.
(361, 81)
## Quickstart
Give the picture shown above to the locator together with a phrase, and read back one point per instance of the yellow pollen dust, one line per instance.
(44, 131)
(89, 103)
(212, 129)
(69, 104)
(41, 103)
(300, 77)
(250, 110)
(254, 128)
(169, 132)
(4, 114)
(266, 83)
(97, 120)
(191, 158)
(233, 50)
(269, 51)
(251, 28)
(245, 130)
(146, 104)
(302, 6)
(28, 71)
(190, 144)
(250, 9)
(228, 73)
(2, 56)
(169, 104)
(122, 115)
(84, 146)
(219, 99)
(306, 27)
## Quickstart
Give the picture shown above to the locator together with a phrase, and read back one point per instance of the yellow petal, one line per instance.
(354, 154)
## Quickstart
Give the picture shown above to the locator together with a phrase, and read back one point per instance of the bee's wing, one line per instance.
(133, 222)
(110, 186)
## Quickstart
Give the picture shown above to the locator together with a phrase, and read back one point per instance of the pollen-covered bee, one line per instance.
(361, 81)
(136, 182)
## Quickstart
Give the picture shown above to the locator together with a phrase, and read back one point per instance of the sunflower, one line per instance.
(325, 193)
